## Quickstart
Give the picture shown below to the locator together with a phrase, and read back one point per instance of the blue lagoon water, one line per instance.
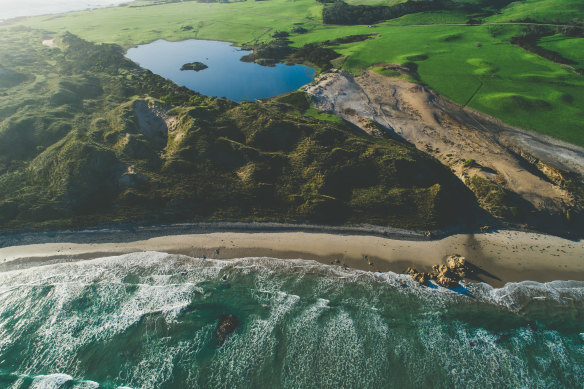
(226, 75)
(148, 320)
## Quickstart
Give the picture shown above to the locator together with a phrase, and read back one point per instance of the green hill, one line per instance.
(75, 152)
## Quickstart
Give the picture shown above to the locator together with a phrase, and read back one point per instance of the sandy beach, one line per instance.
(504, 256)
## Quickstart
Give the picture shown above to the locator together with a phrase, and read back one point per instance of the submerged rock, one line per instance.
(196, 66)
(226, 326)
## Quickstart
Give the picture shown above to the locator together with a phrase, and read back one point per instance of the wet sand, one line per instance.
(503, 256)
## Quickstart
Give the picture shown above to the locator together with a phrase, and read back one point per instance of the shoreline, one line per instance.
(503, 256)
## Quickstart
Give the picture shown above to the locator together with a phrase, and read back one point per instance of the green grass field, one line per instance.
(473, 65)
(568, 47)
(141, 22)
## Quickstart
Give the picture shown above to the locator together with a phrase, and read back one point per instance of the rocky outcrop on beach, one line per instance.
(448, 275)
(226, 326)
(458, 265)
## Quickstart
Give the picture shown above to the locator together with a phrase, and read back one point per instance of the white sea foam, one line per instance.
(51, 381)
(166, 266)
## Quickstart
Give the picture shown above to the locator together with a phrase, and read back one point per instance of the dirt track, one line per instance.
(522, 162)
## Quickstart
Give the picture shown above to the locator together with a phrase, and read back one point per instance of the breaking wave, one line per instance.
(147, 320)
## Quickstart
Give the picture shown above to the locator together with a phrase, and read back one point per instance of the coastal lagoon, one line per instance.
(226, 76)
(149, 320)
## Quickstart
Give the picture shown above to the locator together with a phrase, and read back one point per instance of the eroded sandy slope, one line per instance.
(454, 134)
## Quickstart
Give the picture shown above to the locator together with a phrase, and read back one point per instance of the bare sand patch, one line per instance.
(454, 134)
(49, 43)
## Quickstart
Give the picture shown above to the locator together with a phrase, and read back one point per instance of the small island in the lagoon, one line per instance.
(196, 66)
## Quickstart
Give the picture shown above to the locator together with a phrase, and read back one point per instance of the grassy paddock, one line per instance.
(569, 47)
(512, 84)
(141, 22)
(551, 11)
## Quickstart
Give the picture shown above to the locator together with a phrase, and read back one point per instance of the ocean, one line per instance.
(16, 8)
(149, 320)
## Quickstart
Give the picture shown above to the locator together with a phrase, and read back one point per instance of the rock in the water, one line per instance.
(226, 326)
(196, 66)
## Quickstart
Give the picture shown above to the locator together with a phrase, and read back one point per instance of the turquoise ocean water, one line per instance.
(147, 320)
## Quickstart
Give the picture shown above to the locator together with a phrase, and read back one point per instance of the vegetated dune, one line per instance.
(105, 141)
(515, 174)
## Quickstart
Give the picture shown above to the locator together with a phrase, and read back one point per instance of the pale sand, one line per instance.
(506, 255)
(49, 43)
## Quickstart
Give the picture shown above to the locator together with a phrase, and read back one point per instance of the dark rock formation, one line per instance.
(196, 66)
(226, 326)
(299, 30)
(281, 34)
